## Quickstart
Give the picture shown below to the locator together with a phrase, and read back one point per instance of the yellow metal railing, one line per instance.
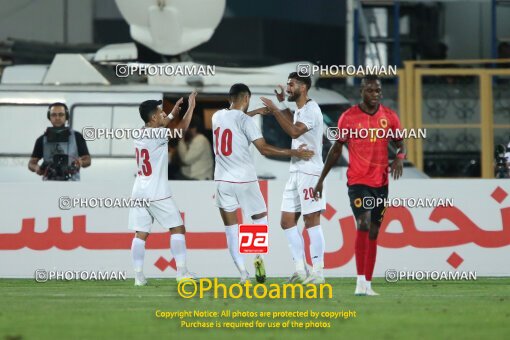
(414, 72)
(410, 103)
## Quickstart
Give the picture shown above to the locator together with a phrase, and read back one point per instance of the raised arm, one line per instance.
(186, 119)
(175, 111)
(285, 121)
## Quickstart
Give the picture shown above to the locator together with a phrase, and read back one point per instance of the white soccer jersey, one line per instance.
(152, 159)
(310, 115)
(233, 132)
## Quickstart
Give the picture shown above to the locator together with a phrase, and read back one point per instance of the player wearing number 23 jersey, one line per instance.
(152, 177)
(151, 152)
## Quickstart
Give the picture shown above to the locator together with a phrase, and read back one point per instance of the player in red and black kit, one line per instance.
(367, 174)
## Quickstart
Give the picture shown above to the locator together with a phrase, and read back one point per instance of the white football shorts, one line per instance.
(298, 195)
(247, 196)
(164, 211)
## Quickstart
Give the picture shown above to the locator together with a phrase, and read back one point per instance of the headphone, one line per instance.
(58, 104)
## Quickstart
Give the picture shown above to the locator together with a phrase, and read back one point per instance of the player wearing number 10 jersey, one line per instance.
(236, 179)
(152, 183)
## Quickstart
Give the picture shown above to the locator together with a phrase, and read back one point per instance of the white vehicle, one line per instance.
(23, 110)
(23, 116)
(98, 98)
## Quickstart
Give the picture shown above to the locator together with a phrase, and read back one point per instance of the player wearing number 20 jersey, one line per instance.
(151, 183)
(237, 187)
(304, 126)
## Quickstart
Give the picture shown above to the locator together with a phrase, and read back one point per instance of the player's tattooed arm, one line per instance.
(334, 154)
(293, 130)
(397, 166)
(273, 151)
(186, 119)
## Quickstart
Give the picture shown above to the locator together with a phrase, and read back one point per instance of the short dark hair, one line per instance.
(147, 108)
(369, 78)
(237, 89)
(307, 80)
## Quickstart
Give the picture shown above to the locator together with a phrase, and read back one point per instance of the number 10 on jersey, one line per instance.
(223, 142)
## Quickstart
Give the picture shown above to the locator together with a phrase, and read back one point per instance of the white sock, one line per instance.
(262, 220)
(178, 248)
(138, 254)
(361, 279)
(317, 245)
(297, 248)
(232, 232)
(368, 284)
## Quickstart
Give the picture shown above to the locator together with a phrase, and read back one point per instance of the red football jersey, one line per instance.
(368, 152)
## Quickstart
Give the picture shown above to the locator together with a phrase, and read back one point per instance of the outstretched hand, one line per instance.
(191, 98)
(280, 95)
(269, 104)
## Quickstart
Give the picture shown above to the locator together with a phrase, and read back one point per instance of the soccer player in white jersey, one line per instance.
(236, 179)
(305, 126)
(152, 182)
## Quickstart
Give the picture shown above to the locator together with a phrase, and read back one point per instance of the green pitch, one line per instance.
(118, 310)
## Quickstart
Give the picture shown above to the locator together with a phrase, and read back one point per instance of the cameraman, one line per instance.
(507, 156)
(502, 158)
(70, 148)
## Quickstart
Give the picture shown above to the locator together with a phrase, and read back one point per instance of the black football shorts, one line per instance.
(364, 198)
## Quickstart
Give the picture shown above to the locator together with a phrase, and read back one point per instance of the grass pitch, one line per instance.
(118, 310)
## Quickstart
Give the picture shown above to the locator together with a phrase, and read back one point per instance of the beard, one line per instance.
(294, 97)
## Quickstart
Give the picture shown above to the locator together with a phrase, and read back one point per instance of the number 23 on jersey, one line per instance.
(143, 156)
